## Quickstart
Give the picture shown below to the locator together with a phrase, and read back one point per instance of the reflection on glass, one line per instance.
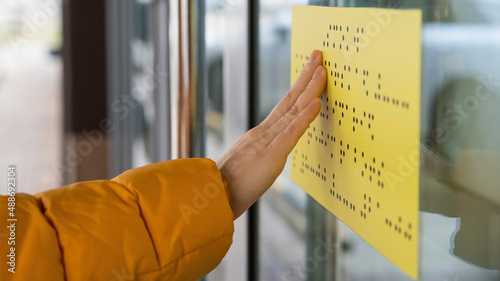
(142, 113)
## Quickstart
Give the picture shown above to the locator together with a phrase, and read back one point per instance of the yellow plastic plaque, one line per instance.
(360, 157)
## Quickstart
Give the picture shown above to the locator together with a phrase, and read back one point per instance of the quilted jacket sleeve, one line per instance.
(165, 221)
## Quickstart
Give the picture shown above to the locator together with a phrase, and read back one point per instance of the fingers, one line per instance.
(286, 140)
(298, 87)
(313, 90)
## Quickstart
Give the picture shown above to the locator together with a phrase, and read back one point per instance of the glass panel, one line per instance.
(31, 94)
(282, 214)
(460, 136)
(142, 115)
(226, 117)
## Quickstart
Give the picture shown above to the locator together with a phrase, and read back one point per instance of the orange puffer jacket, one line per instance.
(164, 221)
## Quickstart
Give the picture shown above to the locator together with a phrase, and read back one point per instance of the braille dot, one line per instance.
(347, 47)
(340, 46)
(343, 38)
(353, 128)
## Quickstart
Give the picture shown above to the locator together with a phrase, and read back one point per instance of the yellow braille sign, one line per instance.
(360, 157)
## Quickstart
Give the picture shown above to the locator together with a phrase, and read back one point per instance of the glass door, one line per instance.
(460, 141)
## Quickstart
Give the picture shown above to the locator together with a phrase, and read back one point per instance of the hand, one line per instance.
(252, 165)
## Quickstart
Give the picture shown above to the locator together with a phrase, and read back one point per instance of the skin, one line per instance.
(252, 165)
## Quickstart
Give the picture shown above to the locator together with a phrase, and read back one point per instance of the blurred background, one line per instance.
(91, 89)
